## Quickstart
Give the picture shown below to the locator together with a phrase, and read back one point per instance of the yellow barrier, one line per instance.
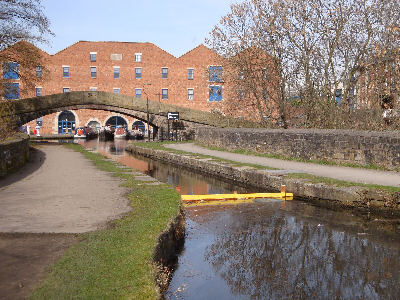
(218, 199)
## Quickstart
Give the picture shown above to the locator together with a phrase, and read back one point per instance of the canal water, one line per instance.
(276, 250)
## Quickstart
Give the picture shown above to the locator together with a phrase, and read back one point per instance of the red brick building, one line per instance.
(143, 70)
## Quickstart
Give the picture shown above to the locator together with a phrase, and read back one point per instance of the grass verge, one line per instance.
(341, 183)
(314, 161)
(160, 146)
(115, 263)
(308, 177)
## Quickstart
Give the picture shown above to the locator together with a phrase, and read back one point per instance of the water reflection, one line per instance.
(278, 250)
(267, 252)
(188, 182)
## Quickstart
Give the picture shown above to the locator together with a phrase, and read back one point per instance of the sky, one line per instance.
(177, 26)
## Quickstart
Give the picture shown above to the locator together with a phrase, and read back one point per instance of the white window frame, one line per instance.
(93, 88)
(141, 92)
(119, 71)
(66, 87)
(141, 72)
(91, 71)
(114, 89)
(69, 71)
(90, 56)
(163, 94)
(188, 95)
(38, 87)
(138, 55)
(41, 71)
(188, 73)
(162, 68)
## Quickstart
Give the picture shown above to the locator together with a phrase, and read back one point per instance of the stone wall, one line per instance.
(14, 153)
(340, 146)
(353, 197)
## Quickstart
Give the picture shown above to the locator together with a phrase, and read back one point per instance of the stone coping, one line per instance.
(355, 197)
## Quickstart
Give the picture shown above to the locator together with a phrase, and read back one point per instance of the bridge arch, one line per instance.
(26, 110)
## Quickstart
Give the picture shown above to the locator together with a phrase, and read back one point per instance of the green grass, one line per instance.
(115, 263)
(309, 177)
(160, 146)
(315, 161)
(341, 183)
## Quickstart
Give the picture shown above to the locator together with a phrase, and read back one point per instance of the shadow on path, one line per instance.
(35, 161)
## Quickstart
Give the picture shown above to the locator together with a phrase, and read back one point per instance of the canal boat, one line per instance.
(106, 133)
(80, 133)
(85, 133)
(137, 134)
(121, 133)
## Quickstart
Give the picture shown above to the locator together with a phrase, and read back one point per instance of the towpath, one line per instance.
(359, 175)
(57, 194)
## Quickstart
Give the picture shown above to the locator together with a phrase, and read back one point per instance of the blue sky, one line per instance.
(176, 26)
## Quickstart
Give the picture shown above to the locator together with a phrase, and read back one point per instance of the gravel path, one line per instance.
(342, 173)
(59, 191)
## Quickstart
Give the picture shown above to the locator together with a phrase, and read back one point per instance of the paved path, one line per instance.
(59, 191)
(342, 173)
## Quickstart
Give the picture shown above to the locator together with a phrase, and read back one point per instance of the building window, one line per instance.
(190, 74)
(11, 70)
(241, 75)
(93, 56)
(39, 92)
(164, 73)
(215, 93)
(116, 72)
(138, 73)
(93, 89)
(138, 57)
(11, 91)
(116, 91)
(93, 72)
(215, 73)
(164, 94)
(66, 72)
(66, 90)
(190, 94)
(240, 95)
(138, 93)
(39, 72)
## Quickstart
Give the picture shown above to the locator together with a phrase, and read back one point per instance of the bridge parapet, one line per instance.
(31, 108)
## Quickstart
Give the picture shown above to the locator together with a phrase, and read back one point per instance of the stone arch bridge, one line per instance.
(26, 110)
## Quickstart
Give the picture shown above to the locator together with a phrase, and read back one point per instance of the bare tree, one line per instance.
(22, 23)
(319, 49)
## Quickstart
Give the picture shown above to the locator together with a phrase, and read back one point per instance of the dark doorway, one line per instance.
(66, 122)
(116, 121)
(139, 125)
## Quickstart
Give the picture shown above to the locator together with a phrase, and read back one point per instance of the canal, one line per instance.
(276, 250)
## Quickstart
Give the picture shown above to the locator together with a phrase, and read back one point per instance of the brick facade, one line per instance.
(122, 54)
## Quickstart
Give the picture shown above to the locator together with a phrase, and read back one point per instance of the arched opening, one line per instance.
(94, 124)
(139, 125)
(66, 122)
(115, 121)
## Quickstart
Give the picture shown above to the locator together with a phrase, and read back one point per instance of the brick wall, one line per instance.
(13, 153)
(82, 118)
(341, 146)
(151, 83)
(77, 58)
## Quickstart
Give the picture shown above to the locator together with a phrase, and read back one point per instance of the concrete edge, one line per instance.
(359, 198)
